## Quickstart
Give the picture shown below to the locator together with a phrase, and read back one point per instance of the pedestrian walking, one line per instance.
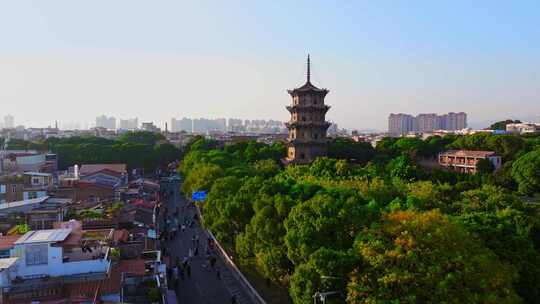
(196, 253)
(190, 252)
(188, 269)
(218, 273)
(213, 261)
(193, 239)
(175, 273)
(206, 264)
(169, 274)
(183, 228)
(181, 271)
(197, 240)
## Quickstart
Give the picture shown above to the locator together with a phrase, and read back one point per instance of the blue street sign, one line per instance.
(198, 196)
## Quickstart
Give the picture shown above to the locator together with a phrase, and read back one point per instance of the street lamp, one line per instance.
(322, 296)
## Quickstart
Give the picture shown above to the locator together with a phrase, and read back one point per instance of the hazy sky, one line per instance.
(73, 60)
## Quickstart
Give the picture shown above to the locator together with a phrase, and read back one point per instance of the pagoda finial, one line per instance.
(308, 70)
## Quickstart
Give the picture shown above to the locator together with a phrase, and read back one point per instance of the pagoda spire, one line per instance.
(308, 70)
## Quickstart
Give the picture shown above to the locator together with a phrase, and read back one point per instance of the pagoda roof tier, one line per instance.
(292, 124)
(312, 108)
(308, 87)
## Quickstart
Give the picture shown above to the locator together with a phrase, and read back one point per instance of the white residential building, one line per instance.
(521, 128)
(54, 253)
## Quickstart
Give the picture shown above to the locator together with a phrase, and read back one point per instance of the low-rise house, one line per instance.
(466, 161)
(47, 260)
(11, 188)
(522, 128)
(29, 205)
(36, 184)
(19, 161)
(109, 289)
(18, 187)
(23, 206)
(81, 190)
(108, 174)
(50, 211)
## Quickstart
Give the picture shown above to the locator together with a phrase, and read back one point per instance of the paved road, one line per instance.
(203, 286)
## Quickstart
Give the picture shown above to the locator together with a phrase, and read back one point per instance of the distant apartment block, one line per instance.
(108, 123)
(9, 122)
(182, 125)
(401, 124)
(129, 124)
(203, 125)
(235, 125)
(466, 161)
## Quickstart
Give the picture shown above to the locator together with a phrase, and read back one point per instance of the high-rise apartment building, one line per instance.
(401, 124)
(186, 124)
(108, 123)
(235, 125)
(182, 125)
(428, 122)
(9, 122)
(203, 125)
(220, 124)
(455, 121)
(129, 124)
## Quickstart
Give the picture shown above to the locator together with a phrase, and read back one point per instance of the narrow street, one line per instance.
(204, 284)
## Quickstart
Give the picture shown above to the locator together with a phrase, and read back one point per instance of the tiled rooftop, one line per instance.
(8, 241)
(92, 168)
(44, 236)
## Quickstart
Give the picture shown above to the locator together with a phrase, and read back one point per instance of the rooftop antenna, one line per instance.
(308, 70)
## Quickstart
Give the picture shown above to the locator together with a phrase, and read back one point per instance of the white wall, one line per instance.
(4, 278)
(55, 266)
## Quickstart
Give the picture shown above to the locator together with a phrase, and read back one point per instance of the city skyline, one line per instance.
(214, 60)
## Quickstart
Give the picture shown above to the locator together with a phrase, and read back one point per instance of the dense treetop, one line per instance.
(374, 224)
(138, 149)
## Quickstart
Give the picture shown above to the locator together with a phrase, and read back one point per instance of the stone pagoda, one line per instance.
(307, 127)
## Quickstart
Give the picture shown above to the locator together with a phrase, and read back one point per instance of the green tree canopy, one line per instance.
(357, 152)
(425, 257)
(141, 137)
(526, 172)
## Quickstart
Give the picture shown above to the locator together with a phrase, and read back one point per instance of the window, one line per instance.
(13, 188)
(36, 254)
(302, 156)
(2, 188)
(35, 181)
